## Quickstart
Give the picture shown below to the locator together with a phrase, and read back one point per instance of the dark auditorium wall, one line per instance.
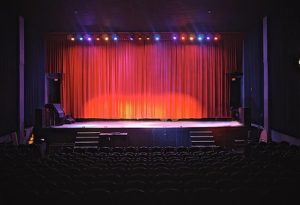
(35, 71)
(9, 62)
(253, 73)
(284, 71)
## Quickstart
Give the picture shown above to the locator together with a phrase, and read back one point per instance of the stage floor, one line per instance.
(150, 124)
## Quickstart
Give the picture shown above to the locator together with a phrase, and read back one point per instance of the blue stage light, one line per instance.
(115, 37)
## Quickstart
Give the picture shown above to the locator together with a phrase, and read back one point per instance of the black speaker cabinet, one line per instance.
(53, 87)
(245, 116)
(235, 91)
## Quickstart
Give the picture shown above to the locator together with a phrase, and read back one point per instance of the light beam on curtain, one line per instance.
(134, 80)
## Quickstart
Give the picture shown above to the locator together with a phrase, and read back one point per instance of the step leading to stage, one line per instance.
(202, 139)
(86, 140)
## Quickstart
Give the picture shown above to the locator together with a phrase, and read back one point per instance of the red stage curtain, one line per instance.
(155, 80)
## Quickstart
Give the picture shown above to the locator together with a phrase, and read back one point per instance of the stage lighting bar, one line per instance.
(151, 37)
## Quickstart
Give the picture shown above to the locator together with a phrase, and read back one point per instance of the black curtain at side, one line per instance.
(34, 72)
(253, 71)
(9, 78)
(9, 62)
(284, 52)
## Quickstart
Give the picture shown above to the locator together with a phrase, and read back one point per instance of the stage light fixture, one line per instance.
(97, 39)
(192, 37)
(72, 39)
(157, 37)
(81, 38)
(140, 38)
(105, 36)
(174, 37)
(148, 38)
(115, 37)
(183, 37)
(217, 37)
(87, 37)
(131, 36)
(200, 37)
(208, 38)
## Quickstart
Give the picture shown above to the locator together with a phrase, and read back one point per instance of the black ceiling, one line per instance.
(142, 15)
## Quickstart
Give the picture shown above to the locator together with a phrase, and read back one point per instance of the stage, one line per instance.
(150, 124)
(137, 133)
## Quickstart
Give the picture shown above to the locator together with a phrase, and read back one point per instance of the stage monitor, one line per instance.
(59, 110)
(57, 113)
